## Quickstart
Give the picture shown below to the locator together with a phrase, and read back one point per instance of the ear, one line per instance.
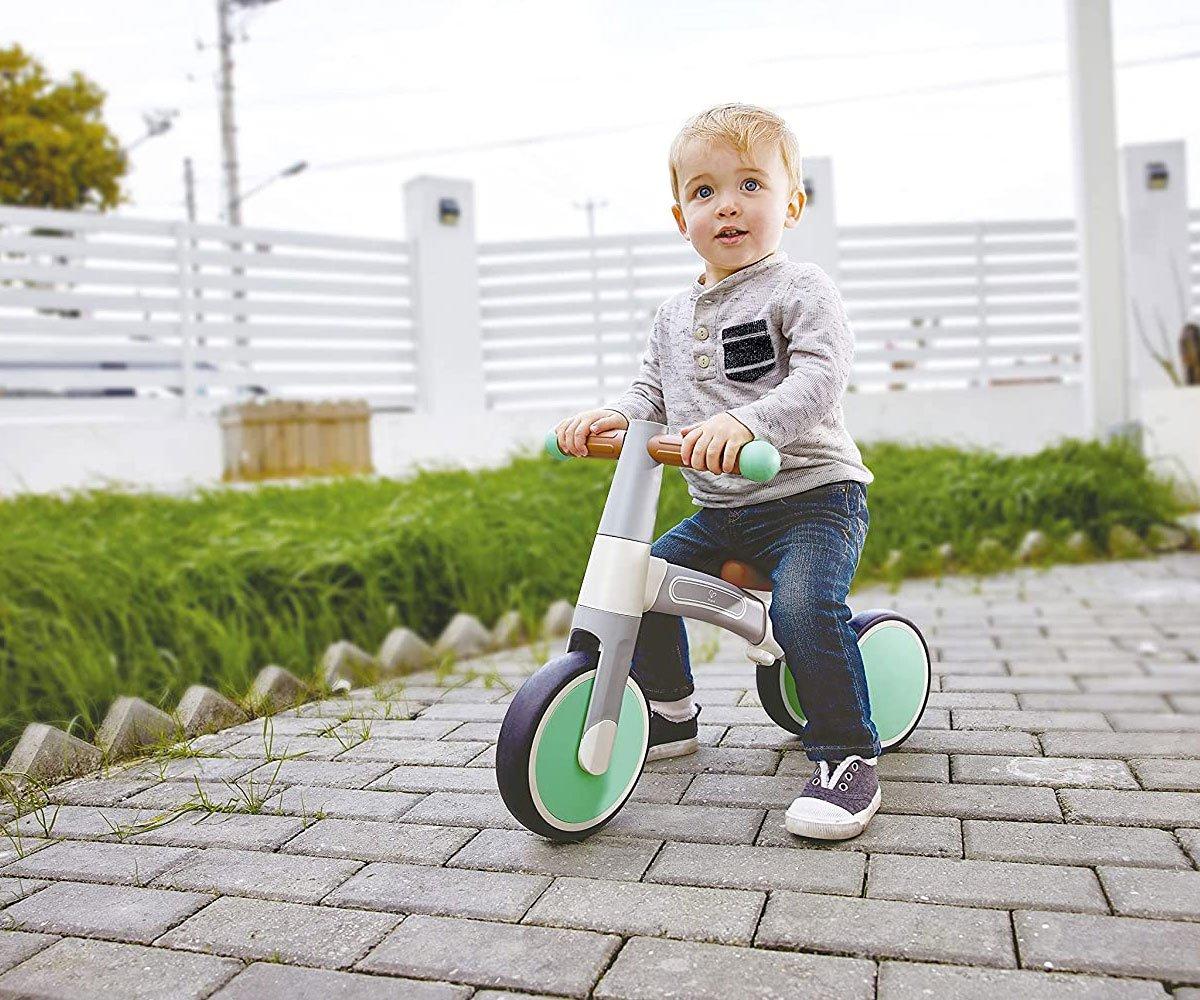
(795, 209)
(680, 221)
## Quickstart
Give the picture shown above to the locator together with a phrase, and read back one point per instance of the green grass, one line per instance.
(106, 593)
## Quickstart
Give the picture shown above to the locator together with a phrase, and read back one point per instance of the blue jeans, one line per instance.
(809, 544)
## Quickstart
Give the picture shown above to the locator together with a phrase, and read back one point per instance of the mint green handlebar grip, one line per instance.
(758, 460)
(552, 448)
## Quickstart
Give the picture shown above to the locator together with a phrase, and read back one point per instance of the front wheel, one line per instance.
(897, 664)
(537, 764)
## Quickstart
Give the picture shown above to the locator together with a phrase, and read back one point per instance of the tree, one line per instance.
(55, 150)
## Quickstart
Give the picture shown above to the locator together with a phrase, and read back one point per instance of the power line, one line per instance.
(537, 140)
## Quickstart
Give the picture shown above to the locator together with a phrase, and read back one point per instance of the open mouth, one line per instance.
(730, 236)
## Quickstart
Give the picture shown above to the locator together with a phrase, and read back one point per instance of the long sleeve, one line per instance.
(643, 400)
(820, 359)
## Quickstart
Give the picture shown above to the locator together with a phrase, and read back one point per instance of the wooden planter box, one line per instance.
(1171, 439)
(280, 439)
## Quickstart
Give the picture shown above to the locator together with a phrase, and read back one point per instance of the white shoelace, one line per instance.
(831, 780)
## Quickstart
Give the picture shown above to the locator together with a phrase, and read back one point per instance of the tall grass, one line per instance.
(106, 593)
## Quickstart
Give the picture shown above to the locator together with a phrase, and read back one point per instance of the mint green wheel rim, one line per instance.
(565, 795)
(897, 671)
(791, 700)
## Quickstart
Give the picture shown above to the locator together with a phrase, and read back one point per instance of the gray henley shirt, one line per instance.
(771, 345)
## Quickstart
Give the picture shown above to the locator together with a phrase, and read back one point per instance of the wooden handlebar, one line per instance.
(664, 448)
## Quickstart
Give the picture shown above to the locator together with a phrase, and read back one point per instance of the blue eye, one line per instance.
(751, 180)
(702, 188)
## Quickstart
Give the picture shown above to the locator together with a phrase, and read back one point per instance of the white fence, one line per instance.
(132, 317)
(942, 306)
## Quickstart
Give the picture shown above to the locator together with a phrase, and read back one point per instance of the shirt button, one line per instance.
(701, 333)
(702, 361)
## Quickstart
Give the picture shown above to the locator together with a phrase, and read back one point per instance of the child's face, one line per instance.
(722, 188)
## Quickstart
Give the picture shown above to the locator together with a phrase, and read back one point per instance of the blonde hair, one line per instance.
(742, 126)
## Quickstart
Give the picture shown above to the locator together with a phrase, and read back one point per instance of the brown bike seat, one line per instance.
(744, 575)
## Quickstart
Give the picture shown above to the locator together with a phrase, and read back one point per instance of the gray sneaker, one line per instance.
(838, 801)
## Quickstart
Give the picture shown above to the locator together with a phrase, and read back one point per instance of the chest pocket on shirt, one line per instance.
(749, 351)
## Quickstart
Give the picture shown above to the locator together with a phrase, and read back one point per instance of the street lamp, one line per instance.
(296, 168)
(158, 121)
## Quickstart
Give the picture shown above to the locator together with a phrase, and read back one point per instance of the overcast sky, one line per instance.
(915, 101)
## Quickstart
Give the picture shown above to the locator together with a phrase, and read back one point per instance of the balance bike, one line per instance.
(574, 739)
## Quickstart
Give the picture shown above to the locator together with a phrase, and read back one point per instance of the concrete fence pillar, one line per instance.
(1157, 265)
(815, 239)
(440, 224)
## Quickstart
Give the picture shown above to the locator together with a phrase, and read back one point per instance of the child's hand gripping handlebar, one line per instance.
(757, 460)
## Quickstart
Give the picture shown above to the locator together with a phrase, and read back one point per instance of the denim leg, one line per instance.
(815, 544)
(660, 658)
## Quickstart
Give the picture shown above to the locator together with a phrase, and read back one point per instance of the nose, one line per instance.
(729, 208)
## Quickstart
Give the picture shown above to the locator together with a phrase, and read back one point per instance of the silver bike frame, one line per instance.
(623, 581)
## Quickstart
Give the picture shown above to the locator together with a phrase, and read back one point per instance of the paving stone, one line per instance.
(256, 873)
(446, 753)
(448, 891)
(936, 836)
(971, 801)
(368, 841)
(1027, 721)
(600, 856)
(1166, 809)
(12, 889)
(45, 754)
(333, 774)
(1142, 685)
(16, 946)
(722, 760)
(1004, 683)
(1122, 946)
(1121, 745)
(263, 981)
(120, 913)
(94, 790)
(969, 741)
(466, 713)
(913, 981)
(1168, 775)
(193, 769)
(760, 738)
(1054, 772)
(495, 954)
(131, 726)
(759, 868)
(307, 748)
(413, 729)
(892, 766)
(1190, 839)
(1077, 668)
(662, 788)
(80, 822)
(101, 970)
(649, 968)
(274, 689)
(437, 779)
(168, 796)
(972, 699)
(472, 809)
(289, 932)
(1001, 884)
(343, 803)
(700, 824)
(203, 710)
(1096, 702)
(483, 732)
(1070, 844)
(13, 848)
(751, 791)
(127, 864)
(1154, 722)
(1136, 892)
(875, 928)
(723, 916)
(250, 832)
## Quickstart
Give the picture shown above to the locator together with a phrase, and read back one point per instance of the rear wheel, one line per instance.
(897, 665)
(537, 765)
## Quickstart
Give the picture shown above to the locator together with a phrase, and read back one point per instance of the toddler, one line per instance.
(758, 348)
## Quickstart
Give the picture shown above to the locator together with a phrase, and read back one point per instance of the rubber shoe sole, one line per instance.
(680, 748)
(852, 826)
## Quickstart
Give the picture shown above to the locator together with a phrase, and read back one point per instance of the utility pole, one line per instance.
(233, 204)
(189, 188)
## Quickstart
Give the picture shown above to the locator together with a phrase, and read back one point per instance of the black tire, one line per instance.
(515, 745)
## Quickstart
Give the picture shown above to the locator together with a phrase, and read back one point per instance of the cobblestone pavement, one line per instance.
(1039, 837)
